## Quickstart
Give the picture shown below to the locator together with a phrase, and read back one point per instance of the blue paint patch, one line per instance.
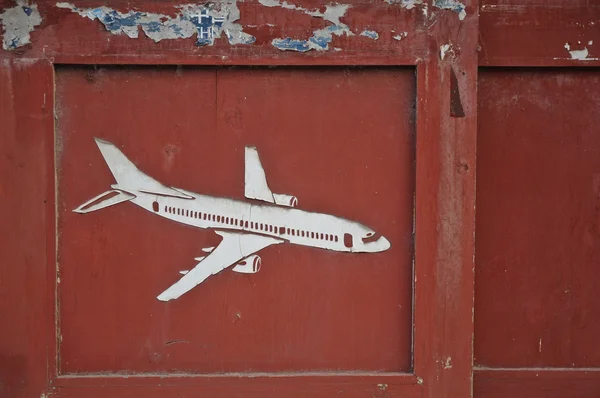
(371, 34)
(14, 43)
(206, 23)
(27, 10)
(289, 44)
(452, 5)
(114, 21)
(321, 41)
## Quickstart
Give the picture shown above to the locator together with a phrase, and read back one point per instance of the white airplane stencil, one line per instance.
(246, 227)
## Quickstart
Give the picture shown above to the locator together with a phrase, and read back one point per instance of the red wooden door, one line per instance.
(365, 112)
(536, 285)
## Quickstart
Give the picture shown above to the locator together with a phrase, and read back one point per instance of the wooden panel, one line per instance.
(66, 37)
(538, 203)
(26, 194)
(534, 33)
(536, 383)
(341, 140)
(378, 386)
(445, 210)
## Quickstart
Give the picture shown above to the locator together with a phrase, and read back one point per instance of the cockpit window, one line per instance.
(370, 237)
(348, 240)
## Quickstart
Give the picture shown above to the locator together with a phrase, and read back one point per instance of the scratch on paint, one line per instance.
(320, 38)
(17, 23)
(453, 5)
(371, 34)
(580, 55)
(205, 21)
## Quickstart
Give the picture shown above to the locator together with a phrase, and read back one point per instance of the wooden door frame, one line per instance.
(443, 51)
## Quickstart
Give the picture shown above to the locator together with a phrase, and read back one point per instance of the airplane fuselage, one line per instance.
(292, 225)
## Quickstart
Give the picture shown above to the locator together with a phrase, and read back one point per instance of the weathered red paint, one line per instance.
(546, 383)
(443, 177)
(322, 137)
(537, 240)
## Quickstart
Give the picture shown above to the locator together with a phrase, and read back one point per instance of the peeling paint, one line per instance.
(17, 23)
(333, 12)
(408, 4)
(452, 5)
(318, 41)
(321, 38)
(448, 363)
(580, 55)
(400, 35)
(205, 21)
(371, 34)
(445, 48)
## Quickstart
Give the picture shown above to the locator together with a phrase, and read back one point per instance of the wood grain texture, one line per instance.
(445, 213)
(26, 178)
(67, 38)
(379, 386)
(538, 245)
(536, 383)
(534, 33)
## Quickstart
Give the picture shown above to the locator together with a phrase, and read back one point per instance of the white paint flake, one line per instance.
(207, 22)
(448, 363)
(408, 4)
(17, 23)
(452, 5)
(246, 227)
(579, 55)
(332, 13)
(444, 49)
(400, 36)
(321, 38)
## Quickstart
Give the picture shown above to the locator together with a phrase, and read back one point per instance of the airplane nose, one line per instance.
(385, 244)
(381, 244)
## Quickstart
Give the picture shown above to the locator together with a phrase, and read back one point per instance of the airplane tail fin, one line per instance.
(129, 179)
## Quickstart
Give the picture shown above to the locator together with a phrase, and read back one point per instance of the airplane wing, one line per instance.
(234, 247)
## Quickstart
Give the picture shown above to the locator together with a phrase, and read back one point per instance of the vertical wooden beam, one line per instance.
(445, 204)
(26, 117)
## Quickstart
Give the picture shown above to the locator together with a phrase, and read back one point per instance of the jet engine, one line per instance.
(285, 200)
(249, 265)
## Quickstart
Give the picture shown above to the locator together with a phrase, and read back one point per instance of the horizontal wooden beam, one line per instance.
(536, 383)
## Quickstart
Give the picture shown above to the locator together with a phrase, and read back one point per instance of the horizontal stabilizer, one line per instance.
(108, 198)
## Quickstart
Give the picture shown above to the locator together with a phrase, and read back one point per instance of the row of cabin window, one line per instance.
(251, 224)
